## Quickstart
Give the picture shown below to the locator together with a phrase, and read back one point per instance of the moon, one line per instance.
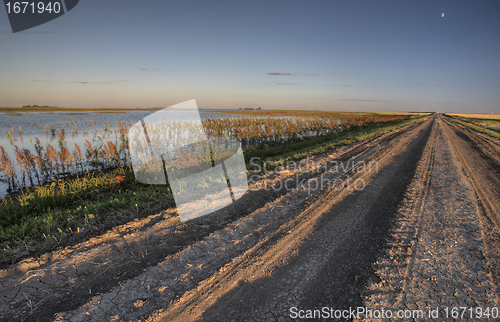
(442, 15)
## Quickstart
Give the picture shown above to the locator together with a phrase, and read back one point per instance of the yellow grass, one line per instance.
(478, 116)
(401, 113)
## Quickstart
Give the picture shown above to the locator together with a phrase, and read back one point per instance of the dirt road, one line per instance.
(406, 221)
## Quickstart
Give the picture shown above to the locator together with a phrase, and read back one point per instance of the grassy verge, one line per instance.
(49, 214)
(474, 127)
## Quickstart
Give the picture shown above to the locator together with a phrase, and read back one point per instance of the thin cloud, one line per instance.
(30, 32)
(281, 74)
(158, 70)
(294, 74)
(78, 82)
(87, 82)
(108, 82)
(360, 100)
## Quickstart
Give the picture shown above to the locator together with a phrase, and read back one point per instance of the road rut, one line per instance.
(392, 242)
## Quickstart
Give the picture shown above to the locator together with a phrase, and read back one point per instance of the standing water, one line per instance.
(21, 129)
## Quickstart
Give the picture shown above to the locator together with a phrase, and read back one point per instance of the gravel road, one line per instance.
(408, 225)
(435, 262)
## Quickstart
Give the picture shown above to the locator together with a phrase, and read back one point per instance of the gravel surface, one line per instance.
(421, 233)
(36, 288)
(435, 260)
(317, 259)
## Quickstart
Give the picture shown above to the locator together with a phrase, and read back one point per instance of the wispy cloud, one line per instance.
(25, 32)
(294, 74)
(79, 82)
(360, 100)
(158, 70)
(87, 82)
(281, 74)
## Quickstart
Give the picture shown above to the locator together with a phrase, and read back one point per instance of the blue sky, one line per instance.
(328, 55)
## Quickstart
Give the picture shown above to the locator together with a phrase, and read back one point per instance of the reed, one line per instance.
(97, 188)
(256, 132)
(41, 162)
(8, 172)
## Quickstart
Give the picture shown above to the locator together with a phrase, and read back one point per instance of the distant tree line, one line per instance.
(42, 106)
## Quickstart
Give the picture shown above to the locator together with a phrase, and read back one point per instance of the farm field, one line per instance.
(249, 161)
(485, 123)
(384, 205)
(62, 191)
(478, 116)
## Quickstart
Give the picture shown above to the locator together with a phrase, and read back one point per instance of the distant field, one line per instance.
(62, 186)
(64, 109)
(402, 113)
(478, 116)
(488, 124)
(239, 111)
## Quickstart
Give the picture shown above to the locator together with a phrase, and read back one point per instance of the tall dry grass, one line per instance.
(48, 163)
(254, 131)
(477, 116)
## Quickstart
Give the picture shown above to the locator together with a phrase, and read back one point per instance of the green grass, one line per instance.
(478, 128)
(493, 125)
(50, 213)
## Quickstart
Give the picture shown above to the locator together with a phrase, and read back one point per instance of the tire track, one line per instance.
(65, 279)
(305, 256)
(435, 255)
(480, 158)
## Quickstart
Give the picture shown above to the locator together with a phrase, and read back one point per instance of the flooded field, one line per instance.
(22, 129)
(42, 147)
